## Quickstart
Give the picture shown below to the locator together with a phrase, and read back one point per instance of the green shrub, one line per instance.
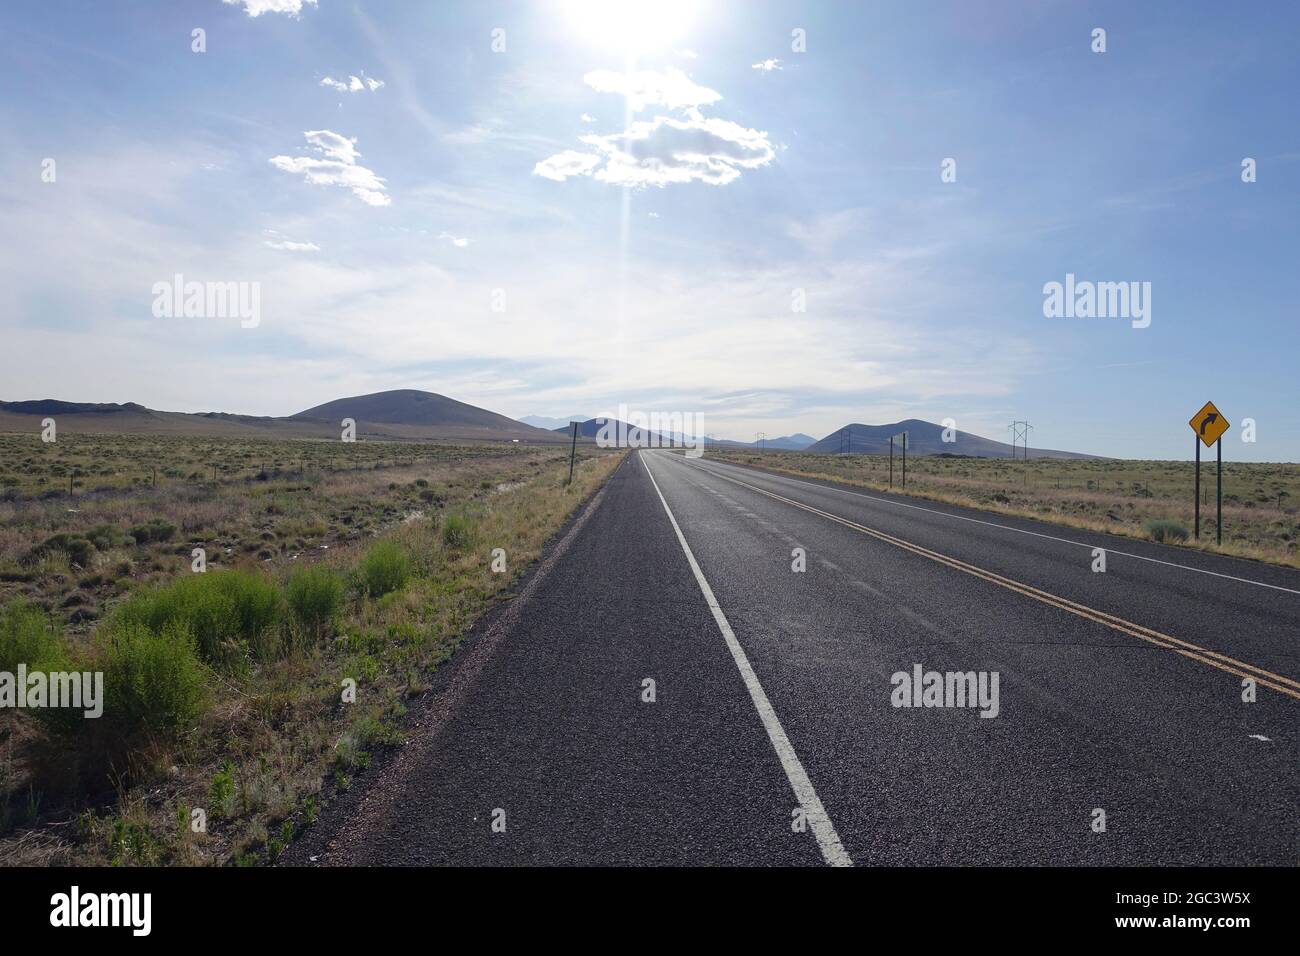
(227, 612)
(154, 684)
(458, 532)
(26, 637)
(156, 530)
(315, 598)
(1166, 529)
(78, 549)
(221, 795)
(385, 568)
(106, 537)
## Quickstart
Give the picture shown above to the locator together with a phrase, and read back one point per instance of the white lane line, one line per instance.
(833, 851)
(1007, 527)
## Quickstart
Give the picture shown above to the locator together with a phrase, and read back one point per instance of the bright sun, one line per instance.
(630, 27)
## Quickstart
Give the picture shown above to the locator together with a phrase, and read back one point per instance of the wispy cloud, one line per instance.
(460, 242)
(468, 136)
(336, 165)
(767, 66)
(671, 88)
(277, 240)
(256, 8)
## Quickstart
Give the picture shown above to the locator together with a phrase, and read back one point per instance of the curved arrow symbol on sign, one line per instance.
(1210, 419)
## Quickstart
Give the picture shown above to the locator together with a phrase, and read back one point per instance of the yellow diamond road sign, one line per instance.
(1209, 424)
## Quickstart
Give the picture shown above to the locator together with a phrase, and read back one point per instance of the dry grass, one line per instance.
(1261, 519)
(277, 738)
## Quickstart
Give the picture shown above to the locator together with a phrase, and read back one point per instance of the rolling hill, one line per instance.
(923, 438)
(400, 414)
(412, 408)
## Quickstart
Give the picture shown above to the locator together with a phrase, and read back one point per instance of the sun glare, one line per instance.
(630, 27)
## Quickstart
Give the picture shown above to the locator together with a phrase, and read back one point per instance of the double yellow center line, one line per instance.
(1283, 685)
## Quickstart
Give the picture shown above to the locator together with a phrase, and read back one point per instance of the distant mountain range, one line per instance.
(923, 438)
(796, 442)
(592, 426)
(418, 415)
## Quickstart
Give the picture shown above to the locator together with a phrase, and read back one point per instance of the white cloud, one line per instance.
(671, 88)
(718, 340)
(587, 118)
(277, 240)
(353, 84)
(686, 54)
(336, 166)
(665, 150)
(256, 8)
(568, 163)
(458, 241)
(767, 66)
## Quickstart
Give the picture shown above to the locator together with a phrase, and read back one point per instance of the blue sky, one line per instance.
(642, 199)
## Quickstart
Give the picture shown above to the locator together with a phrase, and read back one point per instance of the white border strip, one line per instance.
(994, 524)
(833, 851)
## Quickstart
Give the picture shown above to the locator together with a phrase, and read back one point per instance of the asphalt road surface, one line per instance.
(1118, 735)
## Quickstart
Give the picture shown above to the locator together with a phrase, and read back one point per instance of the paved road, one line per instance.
(774, 737)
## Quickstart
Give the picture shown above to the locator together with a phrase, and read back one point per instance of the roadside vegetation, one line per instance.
(1140, 499)
(228, 692)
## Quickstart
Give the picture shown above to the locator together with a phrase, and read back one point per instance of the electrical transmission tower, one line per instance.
(1020, 432)
(846, 442)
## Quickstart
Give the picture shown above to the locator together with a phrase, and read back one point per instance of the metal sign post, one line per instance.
(1209, 426)
(1218, 481)
(1197, 492)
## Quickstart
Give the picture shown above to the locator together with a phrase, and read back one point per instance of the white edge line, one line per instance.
(1007, 527)
(833, 851)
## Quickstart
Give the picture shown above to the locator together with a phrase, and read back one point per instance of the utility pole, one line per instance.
(846, 442)
(759, 438)
(573, 450)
